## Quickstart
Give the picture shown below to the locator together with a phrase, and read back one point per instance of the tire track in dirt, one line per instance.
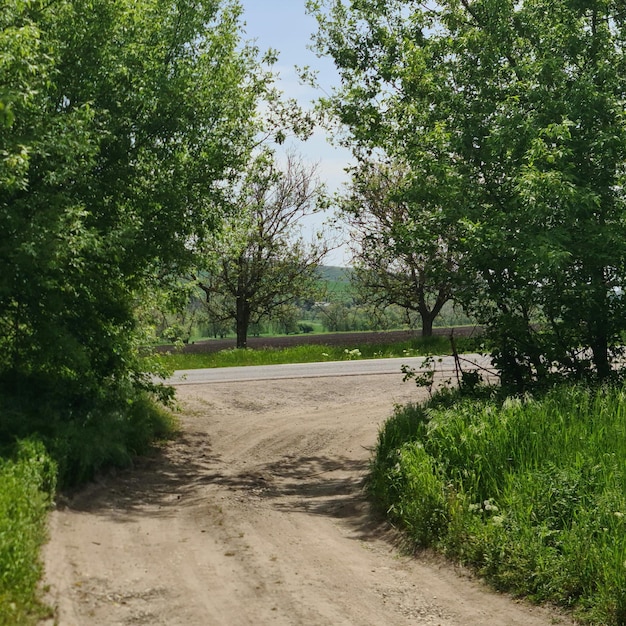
(256, 515)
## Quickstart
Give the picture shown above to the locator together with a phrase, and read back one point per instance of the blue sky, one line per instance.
(284, 26)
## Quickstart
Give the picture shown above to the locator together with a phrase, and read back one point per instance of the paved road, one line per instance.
(318, 370)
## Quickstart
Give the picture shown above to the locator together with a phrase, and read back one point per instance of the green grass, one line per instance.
(107, 432)
(312, 353)
(70, 451)
(27, 485)
(336, 281)
(530, 492)
(110, 437)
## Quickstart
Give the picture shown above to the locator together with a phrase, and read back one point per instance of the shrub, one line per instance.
(108, 437)
(88, 433)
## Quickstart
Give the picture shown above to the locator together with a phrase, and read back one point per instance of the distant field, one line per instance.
(334, 339)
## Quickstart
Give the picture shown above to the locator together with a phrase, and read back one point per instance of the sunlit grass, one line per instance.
(531, 492)
(26, 488)
(312, 353)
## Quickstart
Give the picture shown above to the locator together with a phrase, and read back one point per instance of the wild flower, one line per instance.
(488, 505)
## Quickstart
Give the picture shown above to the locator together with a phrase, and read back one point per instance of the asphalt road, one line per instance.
(319, 370)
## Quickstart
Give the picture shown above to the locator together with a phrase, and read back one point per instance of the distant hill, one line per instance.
(337, 281)
(332, 273)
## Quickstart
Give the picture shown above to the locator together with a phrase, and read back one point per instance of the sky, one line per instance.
(283, 25)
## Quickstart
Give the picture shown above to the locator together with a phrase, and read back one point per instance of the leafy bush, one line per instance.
(108, 437)
(88, 433)
(26, 488)
(530, 491)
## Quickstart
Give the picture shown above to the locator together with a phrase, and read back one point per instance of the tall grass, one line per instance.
(312, 353)
(531, 492)
(104, 434)
(109, 437)
(69, 451)
(27, 485)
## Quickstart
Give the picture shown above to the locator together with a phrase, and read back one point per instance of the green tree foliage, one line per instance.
(121, 124)
(511, 115)
(404, 250)
(259, 262)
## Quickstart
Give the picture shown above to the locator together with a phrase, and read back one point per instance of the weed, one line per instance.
(310, 353)
(423, 378)
(529, 491)
(27, 484)
(110, 436)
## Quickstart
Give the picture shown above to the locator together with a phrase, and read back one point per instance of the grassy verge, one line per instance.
(69, 451)
(105, 434)
(27, 485)
(531, 493)
(313, 353)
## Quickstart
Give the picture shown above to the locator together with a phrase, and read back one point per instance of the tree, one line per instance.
(122, 124)
(259, 263)
(514, 112)
(405, 251)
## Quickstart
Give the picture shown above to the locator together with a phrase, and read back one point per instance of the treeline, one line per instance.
(340, 306)
(489, 147)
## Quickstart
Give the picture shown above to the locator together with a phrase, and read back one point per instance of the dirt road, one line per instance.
(256, 516)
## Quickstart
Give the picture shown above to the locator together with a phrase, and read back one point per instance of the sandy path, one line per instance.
(256, 516)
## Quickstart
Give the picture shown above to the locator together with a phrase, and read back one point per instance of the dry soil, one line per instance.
(256, 516)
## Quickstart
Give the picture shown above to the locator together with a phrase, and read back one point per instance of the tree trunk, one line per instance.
(600, 352)
(427, 324)
(242, 322)
(429, 315)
